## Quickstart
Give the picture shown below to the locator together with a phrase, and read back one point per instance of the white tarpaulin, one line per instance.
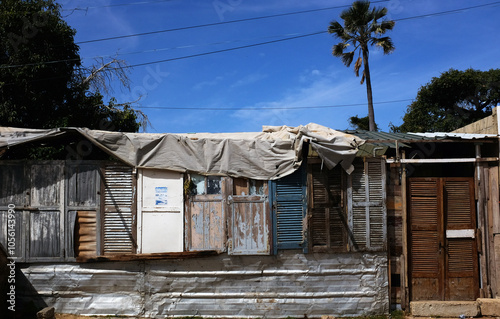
(273, 153)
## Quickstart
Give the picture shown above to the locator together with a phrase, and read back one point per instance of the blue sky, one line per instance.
(283, 83)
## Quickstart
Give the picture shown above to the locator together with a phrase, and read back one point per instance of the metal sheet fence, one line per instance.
(289, 284)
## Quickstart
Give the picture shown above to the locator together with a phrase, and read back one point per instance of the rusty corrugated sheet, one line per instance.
(289, 284)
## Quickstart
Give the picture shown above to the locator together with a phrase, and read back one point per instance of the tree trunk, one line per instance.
(371, 112)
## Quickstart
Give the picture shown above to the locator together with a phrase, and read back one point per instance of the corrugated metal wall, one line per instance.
(290, 284)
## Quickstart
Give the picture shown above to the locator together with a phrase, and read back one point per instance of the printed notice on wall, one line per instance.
(161, 196)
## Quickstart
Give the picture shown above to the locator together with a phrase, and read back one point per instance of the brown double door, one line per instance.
(442, 239)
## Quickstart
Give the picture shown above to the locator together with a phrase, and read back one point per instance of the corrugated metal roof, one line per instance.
(388, 138)
(466, 136)
(370, 136)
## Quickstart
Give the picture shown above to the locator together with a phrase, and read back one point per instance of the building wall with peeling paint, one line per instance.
(288, 284)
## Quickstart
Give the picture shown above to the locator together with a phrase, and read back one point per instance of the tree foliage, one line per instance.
(452, 100)
(363, 26)
(361, 123)
(42, 81)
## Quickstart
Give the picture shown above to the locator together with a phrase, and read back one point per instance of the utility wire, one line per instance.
(114, 5)
(216, 23)
(264, 108)
(257, 44)
(226, 50)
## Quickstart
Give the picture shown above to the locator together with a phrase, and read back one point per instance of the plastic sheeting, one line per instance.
(273, 153)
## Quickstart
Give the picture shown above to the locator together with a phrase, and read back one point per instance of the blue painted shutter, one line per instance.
(289, 211)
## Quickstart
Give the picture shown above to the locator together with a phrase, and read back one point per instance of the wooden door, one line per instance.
(442, 231)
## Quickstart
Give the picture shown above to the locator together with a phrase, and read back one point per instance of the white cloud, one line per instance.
(291, 109)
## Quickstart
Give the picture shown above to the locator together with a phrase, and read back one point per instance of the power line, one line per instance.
(265, 108)
(216, 23)
(256, 44)
(226, 50)
(114, 5)
(449, 11)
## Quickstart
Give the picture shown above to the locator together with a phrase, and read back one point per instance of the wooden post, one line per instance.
(494, 212)
(480, 196)
(405, 298)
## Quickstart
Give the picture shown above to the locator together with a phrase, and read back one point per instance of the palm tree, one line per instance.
(361, 29)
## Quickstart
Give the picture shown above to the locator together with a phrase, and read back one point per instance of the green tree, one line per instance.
(361, 123)
(452, 100)
(363, 26)
(42, 81)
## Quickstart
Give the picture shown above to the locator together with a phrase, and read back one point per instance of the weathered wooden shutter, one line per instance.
(249, 222)
(46, 217)
(367, 207)
(82, 206)
(425, 226)
(462, 269)
(119, 220)
(328, 220)
(206, 216)
(289, 209)
(13, 192)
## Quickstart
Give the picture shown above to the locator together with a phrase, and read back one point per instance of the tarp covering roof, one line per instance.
(273, 153)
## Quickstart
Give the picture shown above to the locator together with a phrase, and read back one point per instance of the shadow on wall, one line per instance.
(27, 301)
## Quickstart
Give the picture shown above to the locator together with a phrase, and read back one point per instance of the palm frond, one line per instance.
(362, 78)
(347, 58)
(379, 13)
(338, 49)
(385, 43)
(357, 65)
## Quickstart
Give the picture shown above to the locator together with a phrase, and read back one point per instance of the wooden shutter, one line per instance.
(289, 209)
(366, 203)
(206, 217)
(461, 263)
(82, 206)
(119, 210)
(328, 220)
(249, 225)
(425, 225)
(13, 192)
(46, 217)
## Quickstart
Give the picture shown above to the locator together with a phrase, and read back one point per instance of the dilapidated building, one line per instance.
(284, 222)
(290, 221)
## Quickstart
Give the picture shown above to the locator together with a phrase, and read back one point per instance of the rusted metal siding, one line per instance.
(119, 210)
(288, 284)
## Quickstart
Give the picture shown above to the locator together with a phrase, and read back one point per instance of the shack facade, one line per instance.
(284, 222)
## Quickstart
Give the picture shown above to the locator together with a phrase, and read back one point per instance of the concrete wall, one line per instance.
(488, 125)
(289, 284)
